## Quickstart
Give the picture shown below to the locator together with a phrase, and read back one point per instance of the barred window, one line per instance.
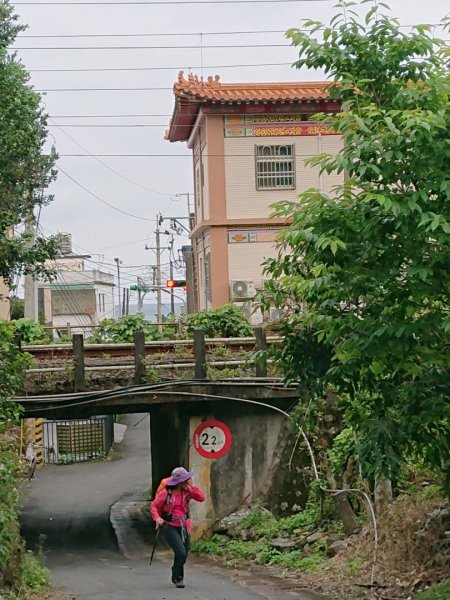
(275, 167)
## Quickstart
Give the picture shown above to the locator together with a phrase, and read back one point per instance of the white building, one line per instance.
(78, 297)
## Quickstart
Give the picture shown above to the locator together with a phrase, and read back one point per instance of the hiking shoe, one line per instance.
(180, 584)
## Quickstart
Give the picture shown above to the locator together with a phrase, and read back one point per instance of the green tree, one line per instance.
(25, 171)
(363, 273)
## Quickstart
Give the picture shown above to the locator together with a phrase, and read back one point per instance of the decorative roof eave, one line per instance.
(192, 93)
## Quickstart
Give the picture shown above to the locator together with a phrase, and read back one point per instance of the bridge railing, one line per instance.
(137, 356)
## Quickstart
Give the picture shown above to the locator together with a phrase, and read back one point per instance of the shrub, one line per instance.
(31, 332)
(225, 321)
(122, 330)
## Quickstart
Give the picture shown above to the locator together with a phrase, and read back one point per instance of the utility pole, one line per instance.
(172, 299)
(187, 194)
(31, 296)
(118, 263)
(158, 276)
(191, 294)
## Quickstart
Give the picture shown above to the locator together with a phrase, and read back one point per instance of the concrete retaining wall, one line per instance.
(242, 475)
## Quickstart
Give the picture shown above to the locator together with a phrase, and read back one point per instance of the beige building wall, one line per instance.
(4, 301)
(244, 201)
(245, 261)
(205, 181)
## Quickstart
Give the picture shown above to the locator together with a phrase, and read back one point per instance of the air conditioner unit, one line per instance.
(246, 311)
(251, 312)
(275, 315)
(242, 290)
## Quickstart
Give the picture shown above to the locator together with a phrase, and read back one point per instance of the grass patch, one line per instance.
(263, 527)
(33, 578)
(34, 573)
(353, 566)
(441, 591)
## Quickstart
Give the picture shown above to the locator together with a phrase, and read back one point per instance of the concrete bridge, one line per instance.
(250, 408)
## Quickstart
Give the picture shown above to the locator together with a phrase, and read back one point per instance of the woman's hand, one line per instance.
(159, 522)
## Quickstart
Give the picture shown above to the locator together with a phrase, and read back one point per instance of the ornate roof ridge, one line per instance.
(196, 84)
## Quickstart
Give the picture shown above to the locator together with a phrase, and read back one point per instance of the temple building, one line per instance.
(249, 144)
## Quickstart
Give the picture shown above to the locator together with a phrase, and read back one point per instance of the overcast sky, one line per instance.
(148, 184)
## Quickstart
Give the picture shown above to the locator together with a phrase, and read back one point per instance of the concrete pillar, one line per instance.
(169, 441)
(139, 357)
(78, 362)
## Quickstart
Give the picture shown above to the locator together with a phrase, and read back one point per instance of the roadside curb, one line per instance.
(257, 579)
(131, 522)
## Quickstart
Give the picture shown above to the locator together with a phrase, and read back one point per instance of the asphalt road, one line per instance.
(70, 505)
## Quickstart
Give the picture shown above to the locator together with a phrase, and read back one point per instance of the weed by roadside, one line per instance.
(259, 537)
(436, 592)
(33, 578)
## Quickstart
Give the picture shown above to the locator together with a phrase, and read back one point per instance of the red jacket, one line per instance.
(162, 504)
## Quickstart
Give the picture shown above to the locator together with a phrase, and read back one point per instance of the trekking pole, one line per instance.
(158, 529)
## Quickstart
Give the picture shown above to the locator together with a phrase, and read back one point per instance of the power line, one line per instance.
(184, 34)
(130, 125)
(138, 89)
(105, 116)
(185, 47)
(160, 156)
(98, 197)
(164, 34)
(162, 2)
(103, 259)
(107, 166)
(178, 68)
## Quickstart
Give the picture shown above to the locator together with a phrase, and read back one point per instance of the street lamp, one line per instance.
(118, 263)
(188, 195)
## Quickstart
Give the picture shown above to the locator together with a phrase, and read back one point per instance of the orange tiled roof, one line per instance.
(193, 92)
(213, 89)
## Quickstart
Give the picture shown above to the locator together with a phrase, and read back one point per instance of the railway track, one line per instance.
(64, 352)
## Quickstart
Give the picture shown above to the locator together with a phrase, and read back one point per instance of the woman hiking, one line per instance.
(170, 511)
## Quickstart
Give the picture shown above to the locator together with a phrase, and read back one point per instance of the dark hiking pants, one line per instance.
(180, 548)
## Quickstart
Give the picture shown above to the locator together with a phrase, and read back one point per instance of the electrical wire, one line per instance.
(155, 389)
(111, 265)
(119, 125)
(71, 301)
(161, 2)
(124, 212)
(162, 34)
(124, 177)
(113, 126)
(107, 116)
(130, 89)
(184, 34)
(174, 68)
(182, 47)
(187, 155)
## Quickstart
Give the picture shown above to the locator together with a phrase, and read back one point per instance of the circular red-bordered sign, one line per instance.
(212, 439)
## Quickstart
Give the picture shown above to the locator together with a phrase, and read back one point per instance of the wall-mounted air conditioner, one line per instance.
(242, 290)
(275, 315)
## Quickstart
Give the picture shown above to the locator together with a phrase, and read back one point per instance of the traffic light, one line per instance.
(175, 283)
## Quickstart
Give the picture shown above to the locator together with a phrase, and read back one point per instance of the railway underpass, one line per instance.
(248, 408)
